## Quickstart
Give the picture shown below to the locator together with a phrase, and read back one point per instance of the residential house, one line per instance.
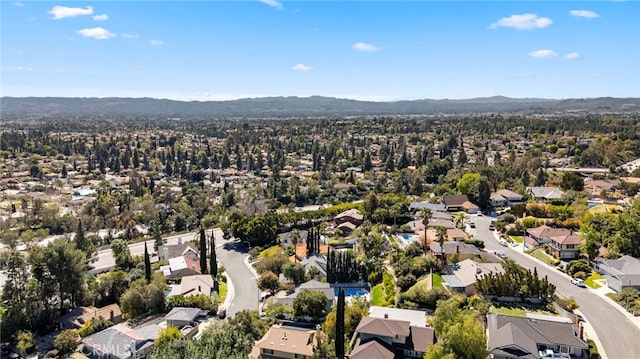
(166, 252)
(287, 238)
(181, 267)
(287, 298)
(352, 216)
(416, 318)
(194, 285)
(517, 337)
(454, 202)
(545, 194)
(317, 261)
(389, 338)
(434, 207)
(600, 188)
(504, 198)
(565, 246)
(121, 342)
(282, 341)
(563, 243)
(181, 317)
(621, 273)
(464, 250)
(456, 234)
(80, 315)
(464, 275)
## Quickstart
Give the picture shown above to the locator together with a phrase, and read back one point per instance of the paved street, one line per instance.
(619, 336)
(244, 287)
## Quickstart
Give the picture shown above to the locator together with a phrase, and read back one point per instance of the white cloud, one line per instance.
(20, 68)
(301, 68)
(130, 36)
(156, 42)
(522, 22)
(572, 56)
(272, 3)
(61, 12)
(541, 54)
(18, 3)
(98, 33)
(584, 13)
(363, 46)
(103, 17)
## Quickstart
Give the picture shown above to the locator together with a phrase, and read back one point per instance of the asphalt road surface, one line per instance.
(620, 338)
(245, 292)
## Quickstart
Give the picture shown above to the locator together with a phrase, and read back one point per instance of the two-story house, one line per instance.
(390, 338)
(562, 242)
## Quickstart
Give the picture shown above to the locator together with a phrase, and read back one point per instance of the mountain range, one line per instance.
(314, 106)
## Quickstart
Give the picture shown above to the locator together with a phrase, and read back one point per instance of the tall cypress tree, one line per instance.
(213, 264)
(147, 264)
(340, 326)
(203, 252)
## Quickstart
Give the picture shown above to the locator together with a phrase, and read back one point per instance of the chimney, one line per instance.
(199, 289)
(576, 320)
(111, 316)
(581, 332)
(386, 316)
(458, 248)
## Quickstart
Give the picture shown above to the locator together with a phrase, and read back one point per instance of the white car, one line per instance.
(577, 281)
(503, 242)
(501, 254)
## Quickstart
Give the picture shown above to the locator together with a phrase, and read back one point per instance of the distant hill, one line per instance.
(55, 107)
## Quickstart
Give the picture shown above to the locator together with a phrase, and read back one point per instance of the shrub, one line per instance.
(581, 275)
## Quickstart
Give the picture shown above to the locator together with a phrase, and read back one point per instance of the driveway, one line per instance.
(618, 335)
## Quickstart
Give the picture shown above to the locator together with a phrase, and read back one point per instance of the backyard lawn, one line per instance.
(590, 281)
(541, 255)
(377, 295)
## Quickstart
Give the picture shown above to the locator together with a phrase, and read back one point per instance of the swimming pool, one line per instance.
(352, 292)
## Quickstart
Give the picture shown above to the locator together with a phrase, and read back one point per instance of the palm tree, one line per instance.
(426, 216)
(441, 234)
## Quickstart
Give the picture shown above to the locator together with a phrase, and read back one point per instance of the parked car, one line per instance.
(472, 225)
(222, 313)
(577, 281)
(492, 227)
(503, 242)
(501, 254)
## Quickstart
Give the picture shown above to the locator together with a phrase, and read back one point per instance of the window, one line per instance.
(299, 356)
(571, 246)
(267, 351)
(564, 349)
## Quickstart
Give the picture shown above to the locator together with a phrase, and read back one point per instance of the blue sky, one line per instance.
(371, 50)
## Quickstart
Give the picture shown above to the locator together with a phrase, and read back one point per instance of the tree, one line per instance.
(441, 235)
(269, 281)
(67, 341)
(213, 261)
(459, 333)
(340, 325)
(572, 181)
(203, 251)
(25, 342)
(147, 264)
(122, 254)
(157, 233)
(166, 336)
(294, 271)
(426, 217)
(541, 178)
(310, 303)
(83, 242)
(60, 265)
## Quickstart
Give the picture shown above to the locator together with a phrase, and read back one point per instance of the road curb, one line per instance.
(230, 293)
